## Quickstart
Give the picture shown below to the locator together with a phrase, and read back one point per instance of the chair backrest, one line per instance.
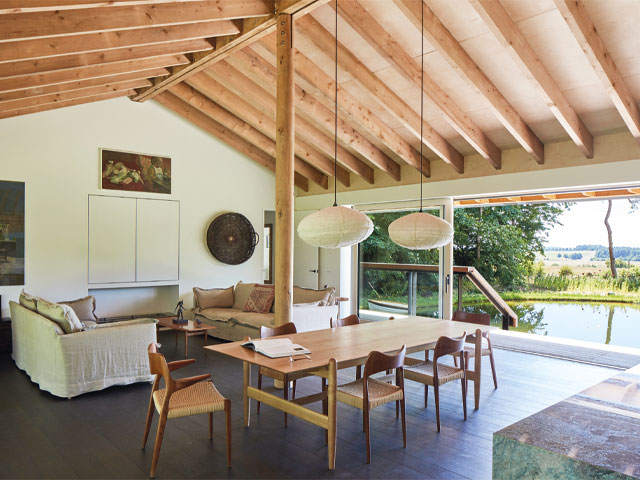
(345, 322)
(477, 318)
(381, 362)
(449, 346)
(286, 329)
(158, 366)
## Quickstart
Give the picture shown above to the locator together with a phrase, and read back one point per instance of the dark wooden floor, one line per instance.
(98, 435)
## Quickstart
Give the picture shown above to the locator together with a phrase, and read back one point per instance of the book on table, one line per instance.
(276, 347)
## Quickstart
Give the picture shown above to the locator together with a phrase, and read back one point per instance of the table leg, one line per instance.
(476, 367)
(246, 370)
(186, 344)
(332, 408)
(206, 338)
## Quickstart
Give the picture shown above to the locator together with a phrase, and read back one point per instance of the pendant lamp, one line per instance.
(421, 230)
(336, 226)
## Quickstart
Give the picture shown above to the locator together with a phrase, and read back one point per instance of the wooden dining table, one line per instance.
(338, 348)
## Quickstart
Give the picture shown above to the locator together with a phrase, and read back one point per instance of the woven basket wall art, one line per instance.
(231, 238)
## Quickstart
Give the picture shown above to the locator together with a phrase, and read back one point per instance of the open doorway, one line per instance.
(268, 236)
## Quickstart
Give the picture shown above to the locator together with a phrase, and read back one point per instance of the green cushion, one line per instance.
(28, 301)
(61, 314)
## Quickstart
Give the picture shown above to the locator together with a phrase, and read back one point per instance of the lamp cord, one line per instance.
(335, 137)
(421, 92)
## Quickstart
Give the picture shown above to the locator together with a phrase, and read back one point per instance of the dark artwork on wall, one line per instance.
(135, 172)
(231, 238)
(11, 233)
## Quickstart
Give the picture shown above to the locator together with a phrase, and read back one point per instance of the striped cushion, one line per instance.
(201, 397)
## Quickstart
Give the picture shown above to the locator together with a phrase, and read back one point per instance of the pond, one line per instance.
(610, 323)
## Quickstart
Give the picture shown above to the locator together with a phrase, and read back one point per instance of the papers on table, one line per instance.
(276, 347)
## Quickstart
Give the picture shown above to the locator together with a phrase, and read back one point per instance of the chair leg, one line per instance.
(397, 409)
(358, 372)
(293, 393)
(464, 397)
(426, 395)
(227, 413)
(404, 422)
(210, 426)
(156, 449)
(493, 368)
(437, 397)
(147, 425)
(367, 427)
(285, 395)
(325, 409)
(259, 387)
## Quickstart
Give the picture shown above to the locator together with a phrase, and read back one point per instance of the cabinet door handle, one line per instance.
(313, 271)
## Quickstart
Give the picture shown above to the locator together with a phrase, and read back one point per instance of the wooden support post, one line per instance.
(285, 138)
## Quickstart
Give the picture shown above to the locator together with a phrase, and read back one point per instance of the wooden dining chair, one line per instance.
(181, 398)
(347, 322)
(432, 373)
(368, 393)
(266, 332)
(487, 348)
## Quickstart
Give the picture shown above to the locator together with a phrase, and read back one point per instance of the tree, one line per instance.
(612, 258)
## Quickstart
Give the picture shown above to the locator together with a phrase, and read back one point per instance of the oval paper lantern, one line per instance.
(420, 231)
(335, 227)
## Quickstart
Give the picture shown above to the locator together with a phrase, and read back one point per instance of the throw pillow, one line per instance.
(260, 300)
(28, 301)
(213, 297)
(306, 295)
(61, 314)
(310, 304)
(85, 308)
(241, 294)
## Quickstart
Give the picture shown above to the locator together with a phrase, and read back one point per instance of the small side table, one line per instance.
(190, 329)
(5, 335)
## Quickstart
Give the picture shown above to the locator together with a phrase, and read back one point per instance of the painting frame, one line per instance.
(12, 233)
(135, 172)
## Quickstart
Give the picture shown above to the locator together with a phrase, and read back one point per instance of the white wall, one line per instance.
(56, 154)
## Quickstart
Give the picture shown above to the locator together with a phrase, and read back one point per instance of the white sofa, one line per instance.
(68, 365)
(313, 311)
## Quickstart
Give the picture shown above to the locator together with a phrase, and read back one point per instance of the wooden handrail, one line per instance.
(470, 272)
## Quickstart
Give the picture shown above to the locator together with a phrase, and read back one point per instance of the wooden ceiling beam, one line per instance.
(212, 89)
(66, 103)
(376, 36)
(440, 37)
(243, 86)
(324, 40)
(583, 29)
(242, 129)
(72, 94)
(93, 82)
(85, 20)
(214, 128)
(360, 114)
(94, 71)
(251, 30)
(79, 61)
(23, 6)
(103, 41)
(500, 23)
(250, 64)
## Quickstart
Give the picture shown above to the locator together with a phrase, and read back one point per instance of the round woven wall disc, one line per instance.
(231, 238)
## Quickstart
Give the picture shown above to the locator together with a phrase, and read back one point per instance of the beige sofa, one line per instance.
(69, 364)
(312, 310)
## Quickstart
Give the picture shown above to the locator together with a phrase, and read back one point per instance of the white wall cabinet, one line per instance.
(133, 240)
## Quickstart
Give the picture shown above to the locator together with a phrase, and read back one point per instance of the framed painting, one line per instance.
(134, 172)
(11, 233)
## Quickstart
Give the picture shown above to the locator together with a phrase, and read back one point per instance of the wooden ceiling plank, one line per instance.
(507, 32)
(22, 6)
(317, 113)
(376, 36)
(242, 129)
(104, 41)
(72, 94)
(251, 30)
(583, 29)
(212, 89)
(68, 22)
(214, 128)
(315, 32)
(235, 81)
(93, 82)
(67, 103)
(360, 114)
(75, 61)
(440, 37)
(94, 71)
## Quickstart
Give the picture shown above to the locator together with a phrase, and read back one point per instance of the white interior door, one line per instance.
(305, 257)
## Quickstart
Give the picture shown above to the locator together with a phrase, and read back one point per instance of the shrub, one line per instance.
(565, 271)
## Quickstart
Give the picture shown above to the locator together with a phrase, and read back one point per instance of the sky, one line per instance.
(584, 224)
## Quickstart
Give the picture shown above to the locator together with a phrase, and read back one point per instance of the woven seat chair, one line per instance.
(347, 322)
(266, 332)
(432, 373)
(181, 398)
(368, 393)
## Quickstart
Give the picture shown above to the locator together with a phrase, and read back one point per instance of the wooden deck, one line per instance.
(98, 435)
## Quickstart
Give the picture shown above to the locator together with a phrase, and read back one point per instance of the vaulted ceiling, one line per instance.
(499, 75)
